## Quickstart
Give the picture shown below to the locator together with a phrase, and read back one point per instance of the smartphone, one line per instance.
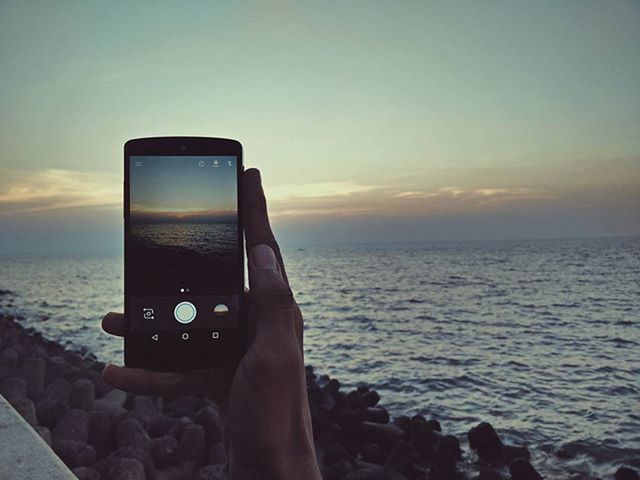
(184, 260)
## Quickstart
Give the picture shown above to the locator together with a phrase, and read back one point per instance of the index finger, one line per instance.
(257, 228)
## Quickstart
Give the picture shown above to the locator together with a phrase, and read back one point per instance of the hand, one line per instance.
(264, 402)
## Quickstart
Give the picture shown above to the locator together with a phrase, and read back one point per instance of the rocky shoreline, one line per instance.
(102, 433)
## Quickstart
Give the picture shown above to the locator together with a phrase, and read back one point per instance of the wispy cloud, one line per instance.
(23, 192)
(317, 190)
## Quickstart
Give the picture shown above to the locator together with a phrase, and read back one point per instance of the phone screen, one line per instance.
(184, 264)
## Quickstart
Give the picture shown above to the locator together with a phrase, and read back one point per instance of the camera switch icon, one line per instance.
(148, 313)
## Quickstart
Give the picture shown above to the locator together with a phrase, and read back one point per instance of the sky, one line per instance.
(370, 121)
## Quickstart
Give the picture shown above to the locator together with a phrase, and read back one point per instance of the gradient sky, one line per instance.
(371, 121)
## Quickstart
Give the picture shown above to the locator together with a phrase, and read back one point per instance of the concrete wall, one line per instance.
(24, 455)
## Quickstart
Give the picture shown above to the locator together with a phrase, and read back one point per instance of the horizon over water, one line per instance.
(538, 337)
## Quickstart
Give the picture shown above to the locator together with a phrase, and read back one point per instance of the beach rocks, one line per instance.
(626, 473)
(103, 433)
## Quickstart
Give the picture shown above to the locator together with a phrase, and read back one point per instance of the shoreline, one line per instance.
(102, 433)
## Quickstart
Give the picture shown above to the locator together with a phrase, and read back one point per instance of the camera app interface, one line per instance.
(184, 263)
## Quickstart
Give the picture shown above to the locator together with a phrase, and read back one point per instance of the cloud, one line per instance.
(316, 190)
(24, 192)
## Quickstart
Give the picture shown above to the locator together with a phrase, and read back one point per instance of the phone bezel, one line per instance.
(140, 353)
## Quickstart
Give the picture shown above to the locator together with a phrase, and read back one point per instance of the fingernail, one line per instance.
(263, 257)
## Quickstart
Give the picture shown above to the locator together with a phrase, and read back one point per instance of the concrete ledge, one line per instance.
(23, 453)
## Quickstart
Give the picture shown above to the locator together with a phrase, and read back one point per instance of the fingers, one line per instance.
(113, 323)
(255, 218)
(145, 382)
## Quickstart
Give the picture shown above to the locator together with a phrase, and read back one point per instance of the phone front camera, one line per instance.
(183, 147)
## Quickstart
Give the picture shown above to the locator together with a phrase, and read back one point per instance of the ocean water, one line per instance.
(214, 239)
(540, 338)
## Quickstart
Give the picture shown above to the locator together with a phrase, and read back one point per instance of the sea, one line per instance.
(541, 338)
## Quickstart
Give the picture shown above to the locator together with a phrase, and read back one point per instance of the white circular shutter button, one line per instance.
(185, 312)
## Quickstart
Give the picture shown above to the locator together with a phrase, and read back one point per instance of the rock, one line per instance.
(212, 472)
(14, 389)
(112, 403)
(74, 425)
(403, 422)
(163, 450)
(58, 389)
(49, 412)
(144, 409)
(330, 433)
(217, 453)
(117, 468)
(57, 367)
(33, 370)
(192, 443)
(354, 400)
(44, 433)
(8, 362)
(337, 471)
(487, 444)
(101, 432)
(27, 410)
(142, 455)
(512, 452)
(377, 414)
(370, 473)
(423, 438)
(399, 457)
(521, 469)
(160, 425)
(381, 434)
(83, 396)
(489, 475)
(129, 433)
(370, 398)
(626, 473)
(186, 406)
(86, 473)
(74, 453)
(434, 425)
(444, 467)
(209, 418)
(451, 445)
(336, 453)
(176, 429)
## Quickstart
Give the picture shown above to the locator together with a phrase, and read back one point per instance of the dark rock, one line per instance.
(8, 362)
(209, 418)
(423, 437)
(337, 471)
(354, 400)
(86, 473)
(399, 457)
(57, 367)
(33, 370)
(140, 454)
(212, 472)
(192, 443)
(186, 406)
(626, 473)
(74, 453)
(163, 450)
(101, 432)
(74, 425)
(335, 453)
(488, 474)
(112, 403)
(160, 425)
(58, 389)
(370, 473)
(403, 422)
(145, 409)
(217, 453)
(176, 429)
(44, 433)
(434, 425)
(487, 444)
(381, 434)
(49, 412)
(377, 414)
(512, 452)
(129, 433)
(83, 396)
(373, 453)
(14, 389)
(370, 398)
(521, 469)
(123, 469)
(451, 445)
(330, 433)
(27, 410)
(444, 467)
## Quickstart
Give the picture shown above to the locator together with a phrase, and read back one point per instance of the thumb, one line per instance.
(271, 298)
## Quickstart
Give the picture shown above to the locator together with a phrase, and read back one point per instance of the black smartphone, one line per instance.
(184, 257)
